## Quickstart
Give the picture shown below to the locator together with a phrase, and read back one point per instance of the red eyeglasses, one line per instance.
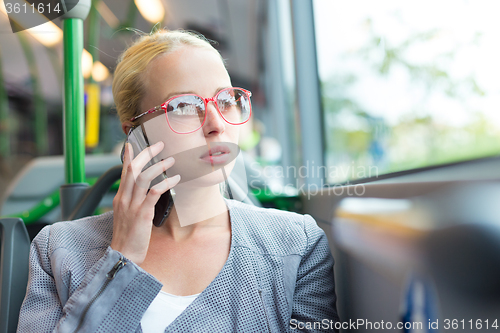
(187, 113)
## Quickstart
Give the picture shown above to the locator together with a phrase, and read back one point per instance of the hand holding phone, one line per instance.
(134, 203)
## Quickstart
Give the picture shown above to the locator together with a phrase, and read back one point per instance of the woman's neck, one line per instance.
(194, 209)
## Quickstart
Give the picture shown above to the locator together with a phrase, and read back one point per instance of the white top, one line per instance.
(163, 310)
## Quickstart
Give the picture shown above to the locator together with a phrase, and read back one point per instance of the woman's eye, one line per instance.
(185, 109)
(227, 103)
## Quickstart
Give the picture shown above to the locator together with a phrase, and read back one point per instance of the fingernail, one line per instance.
(176, 178)
(170, 160)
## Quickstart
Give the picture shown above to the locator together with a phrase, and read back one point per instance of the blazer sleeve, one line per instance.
(314, 299)
(102, 303)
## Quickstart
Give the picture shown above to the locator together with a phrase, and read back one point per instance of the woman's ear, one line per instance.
(126, 126)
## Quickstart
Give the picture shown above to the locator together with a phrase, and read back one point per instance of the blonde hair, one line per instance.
(128, 83)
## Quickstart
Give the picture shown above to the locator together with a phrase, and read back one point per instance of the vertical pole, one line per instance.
(56, 64)
(74, 149)
(281, 104)
(41, 120)
(308, 91)
(4, 116)
(93, 88)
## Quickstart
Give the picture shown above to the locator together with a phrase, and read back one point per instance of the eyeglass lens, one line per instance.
(186, 113)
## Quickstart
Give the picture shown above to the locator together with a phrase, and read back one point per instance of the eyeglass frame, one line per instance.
(164, 105)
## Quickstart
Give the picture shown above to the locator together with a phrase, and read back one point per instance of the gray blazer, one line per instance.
(278, 273)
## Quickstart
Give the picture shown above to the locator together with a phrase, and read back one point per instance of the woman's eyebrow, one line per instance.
(221, 88)
(191, 92)
(178, 93)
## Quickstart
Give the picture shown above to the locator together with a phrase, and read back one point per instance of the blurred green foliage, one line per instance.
(355, 139)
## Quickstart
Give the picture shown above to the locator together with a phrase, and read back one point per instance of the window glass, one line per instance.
(407, 84)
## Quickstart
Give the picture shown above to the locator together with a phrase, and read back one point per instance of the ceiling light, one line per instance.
(151, 10)
(99, 72)
(48, 34)
(86, 63)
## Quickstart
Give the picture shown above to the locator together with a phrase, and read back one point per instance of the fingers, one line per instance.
(127, 156)
(145, 156)
(126, 186)
(144, 180)
(132, 168)
(156, 191)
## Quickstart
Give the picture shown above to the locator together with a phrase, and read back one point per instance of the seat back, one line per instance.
(47, 172)
(14, 263)
(428, 257)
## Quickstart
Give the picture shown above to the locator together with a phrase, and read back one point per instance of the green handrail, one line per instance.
(32, 215)
(74, 149)
(44, 207)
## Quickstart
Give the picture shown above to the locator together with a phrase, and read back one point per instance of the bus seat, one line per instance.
(238, 193)
(43, 175)
(14, 254)
(425, 258)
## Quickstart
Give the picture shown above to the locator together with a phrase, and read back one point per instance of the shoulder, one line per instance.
(81, 235)
(272, 231)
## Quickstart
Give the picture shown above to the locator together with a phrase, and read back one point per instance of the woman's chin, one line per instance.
(210, 179)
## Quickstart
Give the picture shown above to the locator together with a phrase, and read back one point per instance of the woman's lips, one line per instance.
(196, 162)
(219, 154)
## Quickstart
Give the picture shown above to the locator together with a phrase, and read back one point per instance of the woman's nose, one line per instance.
(214, 124)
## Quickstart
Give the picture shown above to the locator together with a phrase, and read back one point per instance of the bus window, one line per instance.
(407, 85)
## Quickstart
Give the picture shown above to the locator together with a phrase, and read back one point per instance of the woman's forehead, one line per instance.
(188, 68)
(187, 62)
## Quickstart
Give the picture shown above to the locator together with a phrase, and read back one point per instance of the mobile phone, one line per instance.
(139, 141)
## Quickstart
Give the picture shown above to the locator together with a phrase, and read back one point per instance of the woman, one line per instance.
(214, 265)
